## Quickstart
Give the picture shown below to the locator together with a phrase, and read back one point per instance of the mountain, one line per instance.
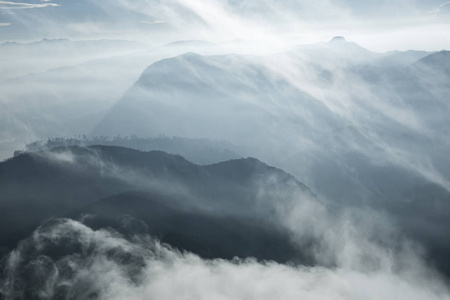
(234, 200)
(187, 229)
(199, 151)
(62, 207)
(53, 92)
(359, 134)
(236, 96)
(234, 208)
(313, 115)
(40, 56)
(68, 84)
(402, 58)
(41, 83)
(438, 62)
(339, 46)
(337, 52)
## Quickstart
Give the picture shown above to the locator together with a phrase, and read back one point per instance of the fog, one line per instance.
(350, 98)
(357, 252)
(111, 266)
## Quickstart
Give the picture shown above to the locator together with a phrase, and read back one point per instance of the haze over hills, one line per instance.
(19, 59)
(381, 140)
(54, 93)
(438, 62)
(239, 208)
(314, 119)
(65, 179)
(187, 149)
(199, 151)
(218, 211)
(89, 90)
(72, 91)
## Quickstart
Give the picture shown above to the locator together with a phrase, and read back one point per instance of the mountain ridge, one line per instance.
(42, 185)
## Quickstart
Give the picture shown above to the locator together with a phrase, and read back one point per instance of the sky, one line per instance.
(377, 25)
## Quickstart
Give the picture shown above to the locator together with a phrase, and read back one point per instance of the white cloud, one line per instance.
(17, 5)
(293, 21)
(5, 24)
(154, 271)
(153, 22)
(438, 9)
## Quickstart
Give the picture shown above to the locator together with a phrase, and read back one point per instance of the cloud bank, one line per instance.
(6, 5)
(104, 264)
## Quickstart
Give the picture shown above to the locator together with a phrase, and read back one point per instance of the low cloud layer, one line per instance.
(103, 264)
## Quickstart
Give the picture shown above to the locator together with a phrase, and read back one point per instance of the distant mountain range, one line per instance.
(303, 104)
(362, 129)
(438, 62)
(21, 59)
(358, 130)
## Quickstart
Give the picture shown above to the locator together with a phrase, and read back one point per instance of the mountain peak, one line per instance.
(437, 62)
(337, 39)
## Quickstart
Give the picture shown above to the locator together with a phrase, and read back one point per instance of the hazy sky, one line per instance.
(378, 25)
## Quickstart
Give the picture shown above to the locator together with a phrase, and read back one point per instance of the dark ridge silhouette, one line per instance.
(209, 236)
(203, 209)
(58, 182)
(199, 151)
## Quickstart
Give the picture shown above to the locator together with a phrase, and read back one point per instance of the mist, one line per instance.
(224, 149)
(110, 265)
